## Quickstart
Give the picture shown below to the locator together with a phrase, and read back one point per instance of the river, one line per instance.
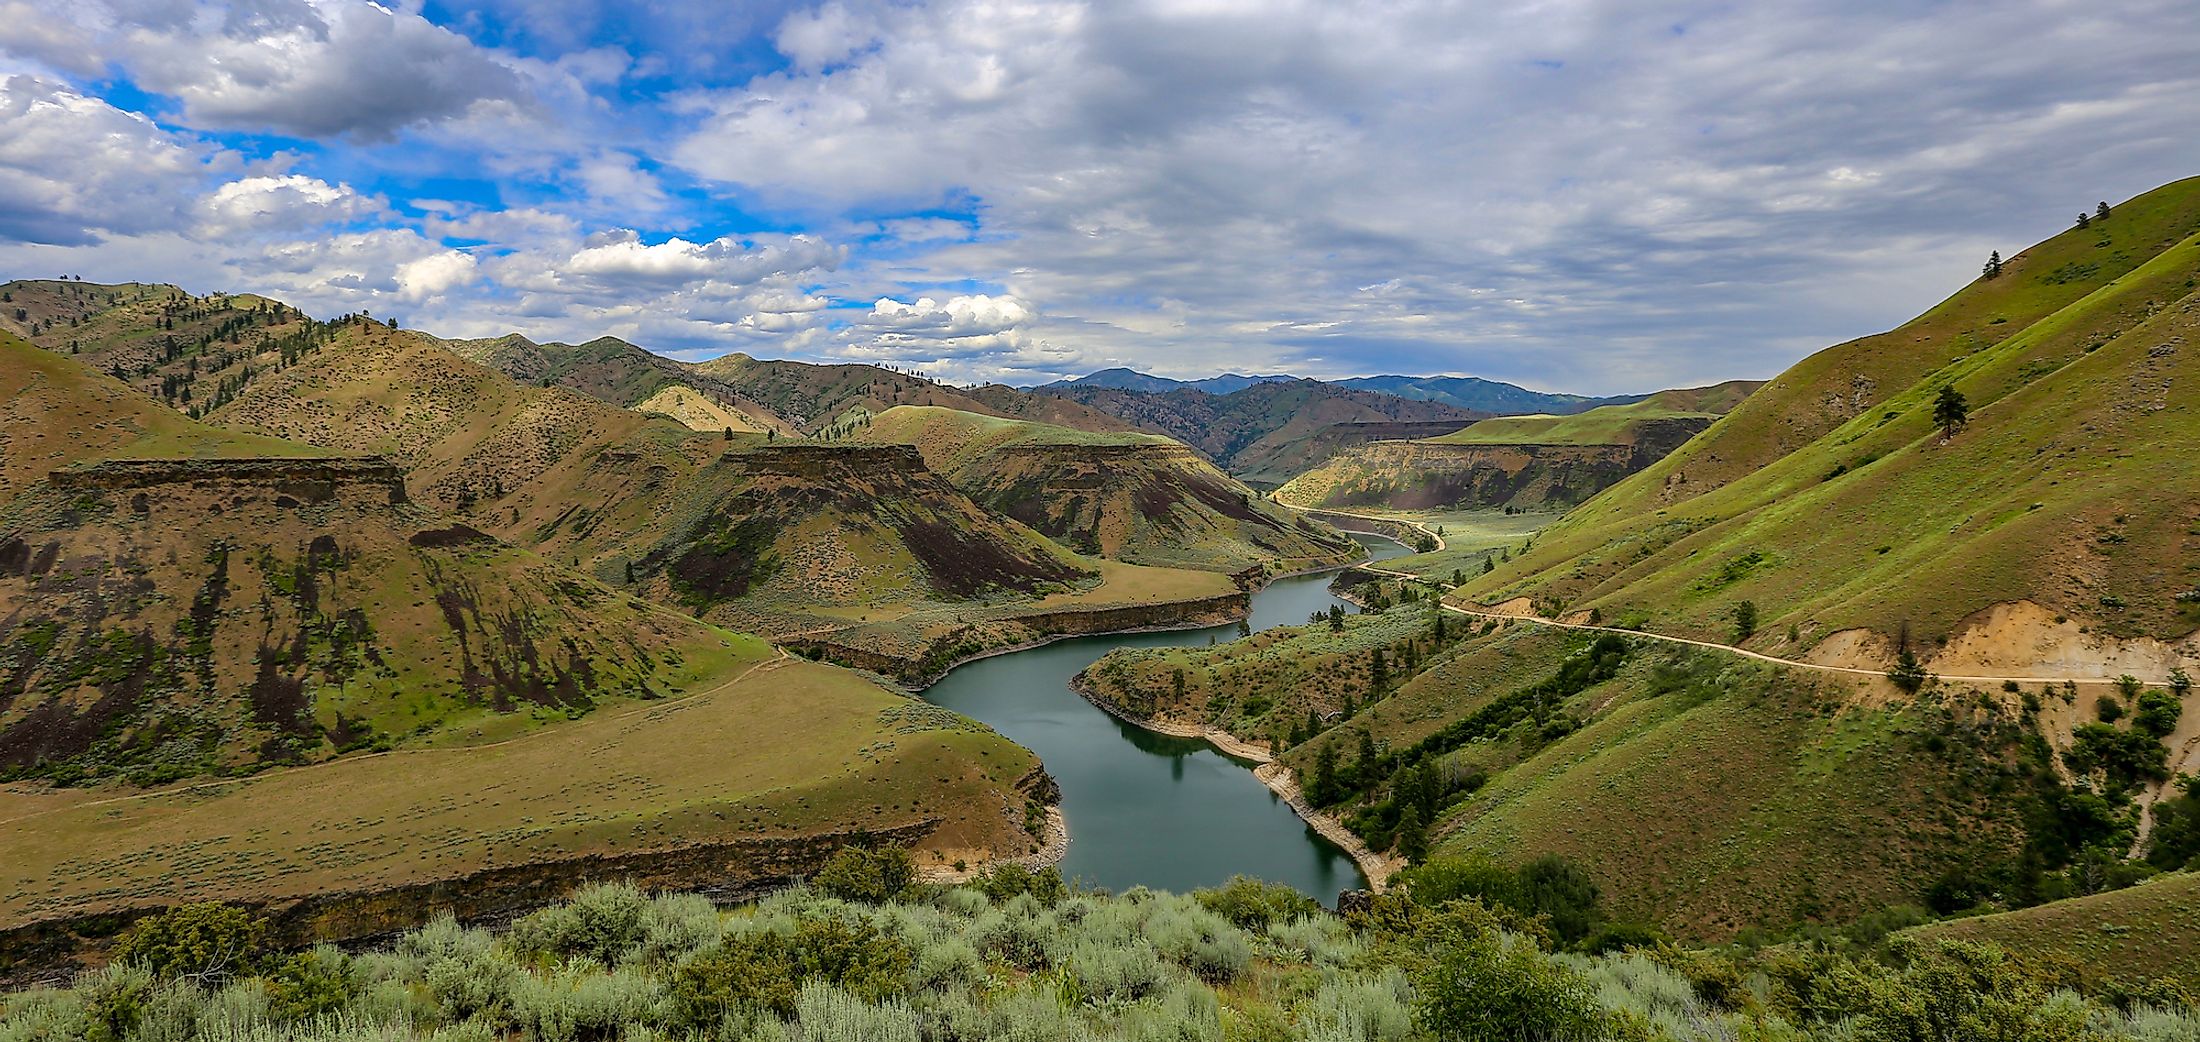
(1150, 809)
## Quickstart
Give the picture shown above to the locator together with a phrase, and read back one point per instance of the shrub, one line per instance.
(1110, 972)
(1011, 880)
(311, 984)
(2158, 714)
(871, 876)
(826, 1012)
(2107, 709)
(1951, 989)
(764, 970)
(1494, 988)
(1254, 904)
(204, 942)
(600, 922)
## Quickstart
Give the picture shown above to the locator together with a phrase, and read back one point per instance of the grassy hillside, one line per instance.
(1701, 796)
(1611, 424)
(1537, 462)
(2145, 931)
(2067, 487)
(612, 370)
(192, 352)
(814, 396)
(195, 601)
(1131, 497)
(770, 749)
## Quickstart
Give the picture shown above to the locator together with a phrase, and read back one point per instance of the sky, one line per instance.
(1574, 196)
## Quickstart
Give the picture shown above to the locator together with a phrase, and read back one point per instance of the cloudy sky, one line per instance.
(1593, 197)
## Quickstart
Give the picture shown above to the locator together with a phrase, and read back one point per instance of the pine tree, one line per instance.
(1745, 620)
(1321, 790)
(2100, 212)
(1993, 265)
(2085, 220)
(1412, 834)
(1951, 411)
(1378, 672)
(1488, 565)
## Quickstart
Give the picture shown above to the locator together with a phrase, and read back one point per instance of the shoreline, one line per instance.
(1010, 649)
(1279, 779)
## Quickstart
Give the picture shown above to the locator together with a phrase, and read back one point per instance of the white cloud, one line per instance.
(954, 317)
(312, 68)
(287, 203)
(74, 169)
(434, 275)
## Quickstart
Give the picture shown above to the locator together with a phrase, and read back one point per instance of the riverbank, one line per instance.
(1378, 868)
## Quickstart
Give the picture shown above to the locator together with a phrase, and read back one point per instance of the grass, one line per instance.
(2143, 931)
(787, 749)
(1470, 537)
(1605, 425)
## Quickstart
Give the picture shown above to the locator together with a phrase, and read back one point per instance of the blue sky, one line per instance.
(1592, 197)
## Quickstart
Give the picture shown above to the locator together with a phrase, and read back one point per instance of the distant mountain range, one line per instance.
(1121, 379)
(1466, 392)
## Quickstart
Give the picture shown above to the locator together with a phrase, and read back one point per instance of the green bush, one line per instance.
(1492, 988)
(203, 942)
(764, 970)
(2158, 714)
(602, 922)
(1011, 880)
(871, 876)
(311, 984)
(1254, 904)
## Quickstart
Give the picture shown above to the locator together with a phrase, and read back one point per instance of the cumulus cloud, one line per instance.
(977, 315)
(311, 68)
(286, 202)
(74, 169)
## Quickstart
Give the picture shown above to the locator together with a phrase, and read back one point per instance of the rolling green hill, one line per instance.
(2064, 489)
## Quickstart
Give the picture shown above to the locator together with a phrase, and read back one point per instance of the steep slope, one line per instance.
(1524, 462)
(194, 600)
(1479, 395)
(1130, 497)
(2072, 487)
(1266, 432)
